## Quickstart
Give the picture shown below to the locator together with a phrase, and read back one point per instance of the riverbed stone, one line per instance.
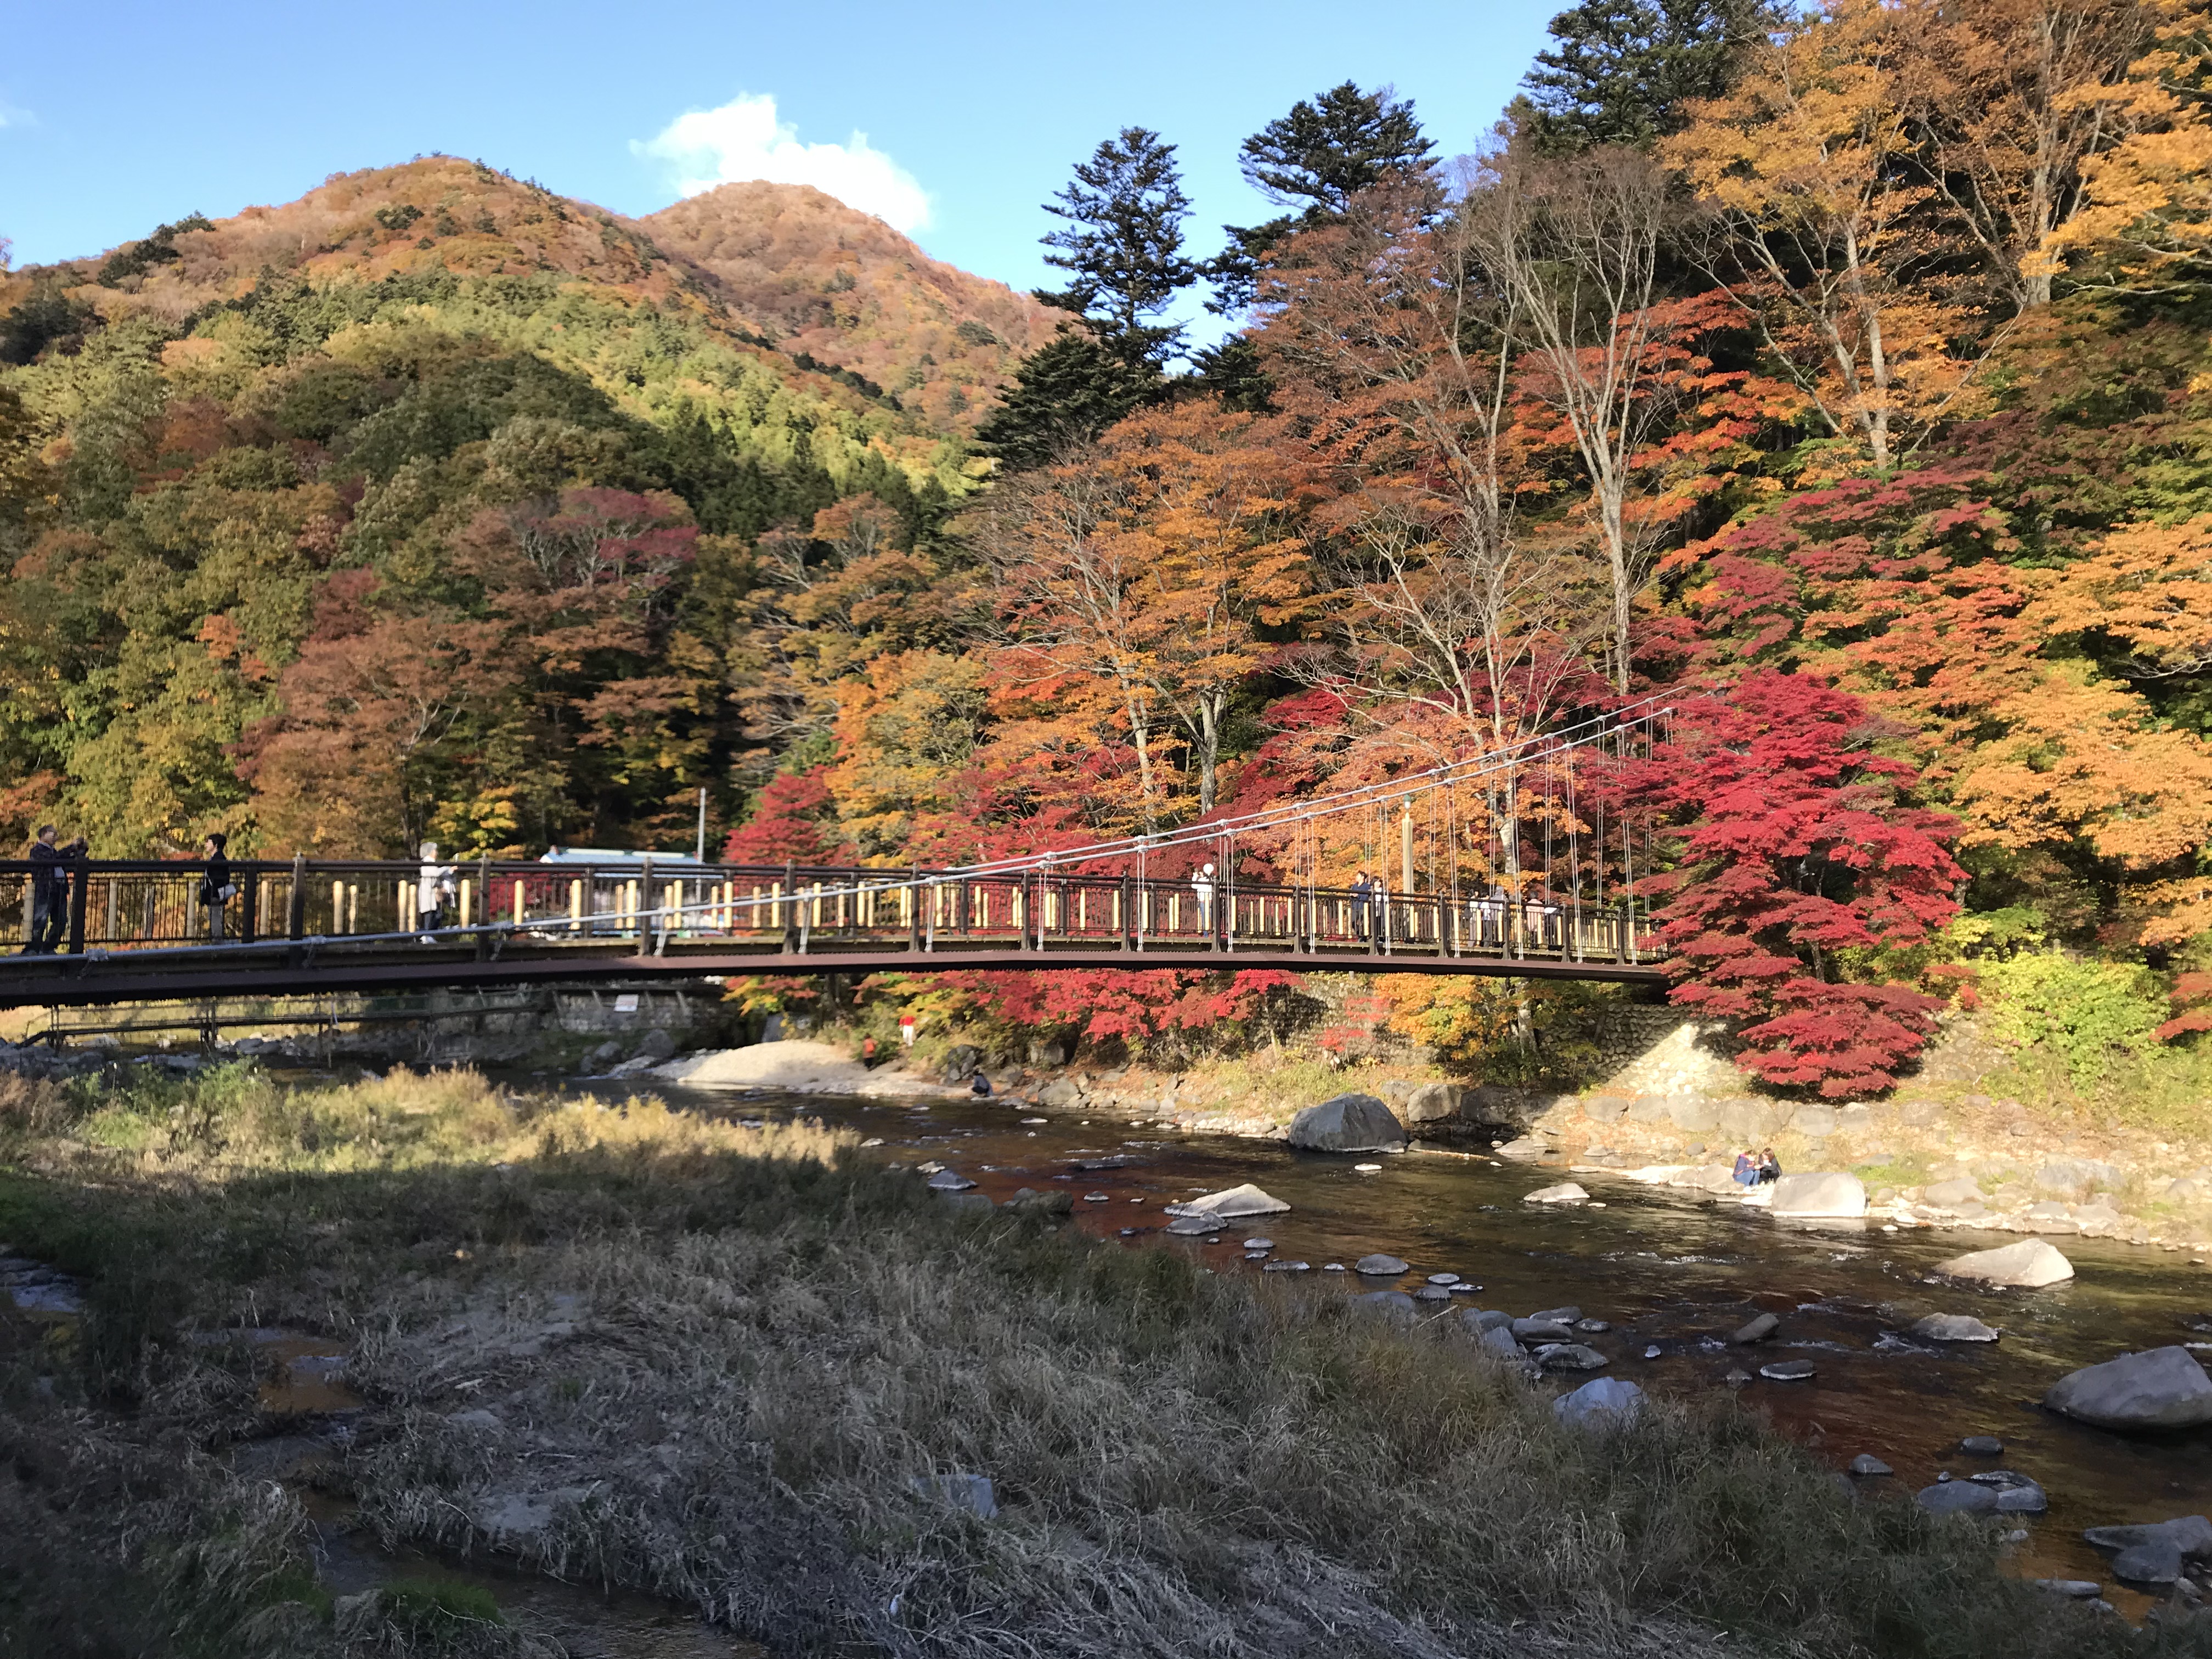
(1566, 1315)
(1745, 1119)
(1524, 1149)
(1815, 1119)
(1957, 1498)
(1830, 1192)
(1347, 1123)
(949, 1180)
(1692, 1114)
(1060, 1091)
(1788, 1370)
(1867, 1463)
(1193, 1226)
(1499, 1341)
(2028, 1265)
(1951, 1195)
(1605, 1109)
(1568, 1356)
(1382, 1266)
(1566, 1192)
(2159, 1388)
(1489, 1319)
(1231, 1204)
(1952, 1327)
(2156, 1562)
(2028, 1498)
(1610, 1401)
(1982, 1445)
(2075, 1178)
(2190, 1534)
(1387, 1304)
(1757, 1330)
(1435, 1102)
(1539, 1331)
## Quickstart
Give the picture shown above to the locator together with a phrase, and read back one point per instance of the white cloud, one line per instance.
(12, 116)
(743, 139)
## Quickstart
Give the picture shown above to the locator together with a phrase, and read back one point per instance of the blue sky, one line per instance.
(973, 114)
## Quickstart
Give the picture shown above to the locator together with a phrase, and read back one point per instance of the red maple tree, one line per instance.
(795, 822)
(1794, 848)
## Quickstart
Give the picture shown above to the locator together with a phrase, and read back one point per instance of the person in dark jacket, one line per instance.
(216, 888)
(50, 886)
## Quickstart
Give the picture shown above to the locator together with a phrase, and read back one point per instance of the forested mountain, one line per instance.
(847, 288)
(1840, 379)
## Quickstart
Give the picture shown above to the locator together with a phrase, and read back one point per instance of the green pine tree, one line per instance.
(1065, 394)
(1621, 71)
(1314, 160)
(1122, 243)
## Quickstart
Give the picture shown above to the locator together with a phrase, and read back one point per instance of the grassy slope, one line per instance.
(761, 1339)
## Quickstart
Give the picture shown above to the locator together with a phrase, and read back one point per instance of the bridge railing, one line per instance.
(109, 905)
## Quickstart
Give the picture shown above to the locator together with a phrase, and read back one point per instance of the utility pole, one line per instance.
(700, 855)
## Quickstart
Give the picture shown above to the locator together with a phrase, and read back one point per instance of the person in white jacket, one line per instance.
(432, 887)
(1201, 888)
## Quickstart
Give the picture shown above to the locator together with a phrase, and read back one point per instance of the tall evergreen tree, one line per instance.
(1621, 71)
(1314, 160)
(1065, 393)
(1122, 243)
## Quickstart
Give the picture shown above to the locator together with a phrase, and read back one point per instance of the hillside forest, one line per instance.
(1841, 375)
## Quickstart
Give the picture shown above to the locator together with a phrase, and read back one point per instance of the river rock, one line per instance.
(1387, 1304)
(1542, 1330)
(1193, 1226)
(1951, 1194)
(1231, 1204)
(2158, 1562)
(2028, 1498)
(1788, 1370)
(2190, 1534)
(1347, 1123)
(1830, 1193)
(1431, 1293)
(2074, 1178)
(1707, 1178)
(1383, 1267)
(949, 1180)
(1605, 1109)
(967, 1201)
(1692, 1114)
(1565, 1193)
(657, 1045)
(2026, 1266)
(1499, 1341)
(1815, 1119)
(1759, 1330)
(1489, 1319)
(1568, 1356)
(1437, 1102)
(1566, 1315)
(1867, 1464)
(1060, 1091)
(1957, 1498)
(1032, 1203)
(2161, 1388)
(1982, 1445)
(1608, 1402)
(1952, 1327)
(2079, 1590)
(1524, 1149)
(960, 1062)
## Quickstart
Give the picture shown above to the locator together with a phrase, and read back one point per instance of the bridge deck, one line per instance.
(127, 931)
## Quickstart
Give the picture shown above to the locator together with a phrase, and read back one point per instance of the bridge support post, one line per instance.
(249, 904)
(79, 891)
(913, 912)
(1127, 905)
(295, 907)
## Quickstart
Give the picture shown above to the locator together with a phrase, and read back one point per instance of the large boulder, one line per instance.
(2028, 1265)
(1831, 1193)
(1606, 1403)
(1693, 1113)
(1605, 1109)
(1229, 1203)
(1380, 1266)
(2075, 1178)
(1437, 1102)
(1951, 1194)
(1524, 1149)
(2159, 1388)
(1394, 1305)
(1815, 1119)
(1348, 1123)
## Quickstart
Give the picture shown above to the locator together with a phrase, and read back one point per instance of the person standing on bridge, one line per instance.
(431, 886)
(1363, 903)
(50, 886)
(216, 888)
(1201, 888)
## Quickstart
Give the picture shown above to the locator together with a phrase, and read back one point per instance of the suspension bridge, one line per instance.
(1514, 863)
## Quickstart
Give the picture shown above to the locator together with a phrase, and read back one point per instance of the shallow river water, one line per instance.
(1667, 1269)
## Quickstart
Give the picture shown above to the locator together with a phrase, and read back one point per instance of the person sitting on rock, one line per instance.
(1745, 1172)
(1770, 1168)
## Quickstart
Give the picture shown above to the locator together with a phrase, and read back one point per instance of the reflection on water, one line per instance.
(1669, 1270)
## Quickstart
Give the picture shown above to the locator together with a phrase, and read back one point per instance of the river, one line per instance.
(1667, 1269)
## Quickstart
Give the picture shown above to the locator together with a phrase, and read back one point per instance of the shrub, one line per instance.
(2091, 1013)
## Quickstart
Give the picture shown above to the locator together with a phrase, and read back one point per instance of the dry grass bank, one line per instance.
(713, 1363)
